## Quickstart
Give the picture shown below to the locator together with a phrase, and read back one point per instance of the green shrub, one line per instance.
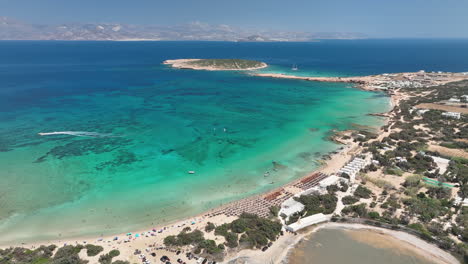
(362, 192)
(314, 204)
(373, 215)
(209, 227)
(184, 238)
(231, 240)
(107, 258)
(394, 171)
(92, 250)
(358, 210)
(350, 199)
(274, 210)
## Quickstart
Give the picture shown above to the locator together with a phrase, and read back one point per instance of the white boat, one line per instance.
(294, 67)
(191, 172)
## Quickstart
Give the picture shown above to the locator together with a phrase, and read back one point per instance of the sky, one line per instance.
(375, 18)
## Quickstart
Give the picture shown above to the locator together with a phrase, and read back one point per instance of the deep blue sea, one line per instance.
(135, 127)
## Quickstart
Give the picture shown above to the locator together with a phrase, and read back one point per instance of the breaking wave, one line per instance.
(77, 134)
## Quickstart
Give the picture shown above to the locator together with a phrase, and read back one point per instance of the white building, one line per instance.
(455, 115)
(442, 163)
(422, 111)
(329, 181)
(308, 221)
(354, 167)
(290, 206)
(459, 200)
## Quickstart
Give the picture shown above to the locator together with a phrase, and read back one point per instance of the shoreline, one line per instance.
(380, 82)
(335, 161)
(418, 245)
(188, 64)
(199, 221)
(151, 238)
(202, 217)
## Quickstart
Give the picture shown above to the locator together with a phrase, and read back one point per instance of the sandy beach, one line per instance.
(150, 240)
(381, 81)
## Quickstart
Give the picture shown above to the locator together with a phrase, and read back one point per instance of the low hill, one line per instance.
(216, 64)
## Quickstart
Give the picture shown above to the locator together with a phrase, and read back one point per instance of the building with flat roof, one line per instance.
(290, 206)
(455, 115)
(308, 221)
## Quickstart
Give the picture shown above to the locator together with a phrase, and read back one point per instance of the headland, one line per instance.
(382, 81)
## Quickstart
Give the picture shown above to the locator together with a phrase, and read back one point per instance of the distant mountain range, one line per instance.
(11, 29)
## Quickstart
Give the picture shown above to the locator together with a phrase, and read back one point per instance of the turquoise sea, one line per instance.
(135, 127)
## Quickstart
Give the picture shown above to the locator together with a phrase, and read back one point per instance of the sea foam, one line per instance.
(76, 133)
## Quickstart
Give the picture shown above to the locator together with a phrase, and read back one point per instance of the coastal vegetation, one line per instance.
(52, 255)
(216, 64)
(406, 186)
(227, 63)
(248, 231)
(409, 186)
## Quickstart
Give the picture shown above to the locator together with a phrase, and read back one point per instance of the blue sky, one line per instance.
(376, 18)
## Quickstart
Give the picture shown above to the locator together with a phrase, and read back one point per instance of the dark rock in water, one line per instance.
(305, 155)
(122, 157)
(166, 151)
(278, 166)
(87, 146)
(313, 129)
(364, 128)
(40, 159)
(317, 154)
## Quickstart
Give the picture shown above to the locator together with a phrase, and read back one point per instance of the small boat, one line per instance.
(191, 172)
(294, 67)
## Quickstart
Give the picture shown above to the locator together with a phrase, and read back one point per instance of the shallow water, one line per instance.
(129, 129)
(333, 246)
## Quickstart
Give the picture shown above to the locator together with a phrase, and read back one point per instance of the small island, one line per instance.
(216, 64)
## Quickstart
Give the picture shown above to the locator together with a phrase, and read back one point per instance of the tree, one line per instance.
(274, 210)
(92, 250)
(209, 227)
(362, 192)
(373, 215)
(349, 199)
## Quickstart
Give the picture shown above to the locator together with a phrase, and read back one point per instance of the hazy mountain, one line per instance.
(11, 29)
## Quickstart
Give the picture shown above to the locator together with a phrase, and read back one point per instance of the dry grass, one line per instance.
(447, 108)
(448, 151)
